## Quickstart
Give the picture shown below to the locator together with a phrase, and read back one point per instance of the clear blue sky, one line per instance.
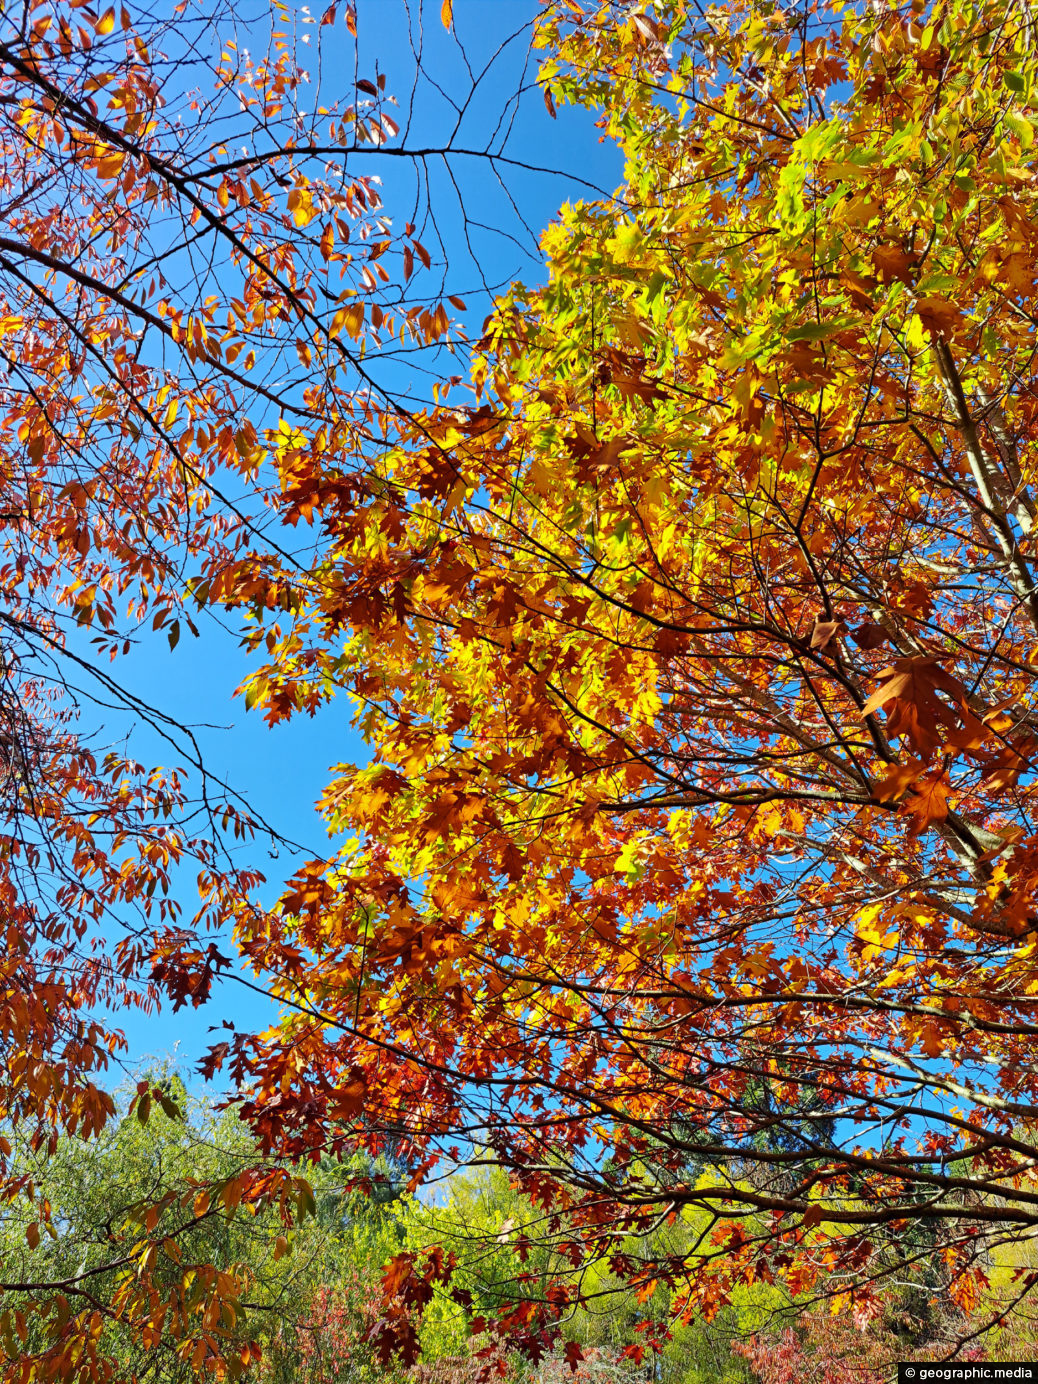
(481, 222)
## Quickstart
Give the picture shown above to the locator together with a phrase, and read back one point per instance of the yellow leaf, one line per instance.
(447, 13)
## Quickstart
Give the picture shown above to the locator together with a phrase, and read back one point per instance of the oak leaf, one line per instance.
(897, 780)
(913, 708)
(825, 634)
(928, 803)
(869, 635)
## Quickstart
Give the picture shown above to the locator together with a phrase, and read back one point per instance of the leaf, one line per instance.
(897, 780)
(869, 635)
(348, 1098)
(927, 803)
(1004, 769)
(894, 262)
(825, 634)
(1021, 126)
(447, 13)
(917, 713)
(939, 316)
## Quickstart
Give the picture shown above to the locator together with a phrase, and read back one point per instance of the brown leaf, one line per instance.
(1005, 769)
(825, 634)
(972, 735)
(893, 262)
(939, 316)
(348, 1099)
(916, 713)
(869, 635)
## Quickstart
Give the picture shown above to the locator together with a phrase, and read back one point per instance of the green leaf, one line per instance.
(1021, 127)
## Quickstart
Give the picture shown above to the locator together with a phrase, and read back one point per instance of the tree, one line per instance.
(193, 285)
(696, 658)
(259, 1283)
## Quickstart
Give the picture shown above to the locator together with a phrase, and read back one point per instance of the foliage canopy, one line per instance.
(697, 661)
(692, 876)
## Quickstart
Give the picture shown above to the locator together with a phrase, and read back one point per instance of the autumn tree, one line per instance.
(696, 656)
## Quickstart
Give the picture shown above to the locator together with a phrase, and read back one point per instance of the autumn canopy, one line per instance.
(693, 633)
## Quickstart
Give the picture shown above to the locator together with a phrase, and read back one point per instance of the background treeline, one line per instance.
(300, 1303)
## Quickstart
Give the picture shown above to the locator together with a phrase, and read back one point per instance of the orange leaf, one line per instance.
(912, 684)
(928, 803)
(825, 634)
(897, 780)
(1005, 769)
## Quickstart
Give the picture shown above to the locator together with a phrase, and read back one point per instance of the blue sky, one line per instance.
(470, 90)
